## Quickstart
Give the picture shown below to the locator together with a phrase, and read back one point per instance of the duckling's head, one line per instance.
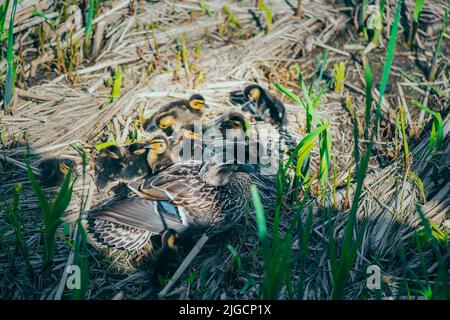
(169, 239)
(234, 125)
(54, 170)
(114, 152)
(253, 92)
(159, 154)
(197, 102)
(65, 165)
(137, 148)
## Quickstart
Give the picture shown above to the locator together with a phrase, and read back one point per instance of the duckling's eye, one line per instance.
(254, 94)
(166, 122)
(158, 146)
(63, 168)
(197, 104)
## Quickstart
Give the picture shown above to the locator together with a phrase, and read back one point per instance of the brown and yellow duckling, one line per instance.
(159, 155)
(122, 163)
(163, 152)
(267, 107)
(53, 171)
(173, 116)
(136, 161)
(231, 126)
(166, 258)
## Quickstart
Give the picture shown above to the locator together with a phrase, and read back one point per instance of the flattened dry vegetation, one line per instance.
(370, 105)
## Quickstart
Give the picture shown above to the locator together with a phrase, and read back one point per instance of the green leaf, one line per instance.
(260, 216)
(368, 111)
(104, 145)
(299, 101)
(10, 68)
(43, 202)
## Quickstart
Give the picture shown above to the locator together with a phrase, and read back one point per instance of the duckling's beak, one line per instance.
(206, 106)
(148, 146)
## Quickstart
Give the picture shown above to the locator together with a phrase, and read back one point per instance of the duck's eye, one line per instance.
(254, 94)
(63, 168)
(166, 121)
(191, 135)
(197, 104)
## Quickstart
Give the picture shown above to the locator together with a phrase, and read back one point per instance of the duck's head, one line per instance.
(197, 102)
(253, 92)
(219, 173)
(159, 153)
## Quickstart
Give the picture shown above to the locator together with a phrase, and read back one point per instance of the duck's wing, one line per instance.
(129, 223)
(181, 186)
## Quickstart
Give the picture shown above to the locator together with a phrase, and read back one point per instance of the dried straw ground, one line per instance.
(56, 110)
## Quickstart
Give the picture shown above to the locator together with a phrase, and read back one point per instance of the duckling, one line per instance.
(135, 161)
(110, 164)
(171, 117)
(53, 171)
(268, 107)
(231, 125)
(159, 155)
(273, 142)
(190, 197)
(189, 143)
(166, 259)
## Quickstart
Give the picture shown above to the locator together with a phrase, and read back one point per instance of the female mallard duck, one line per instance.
(268, 107)
(190, 198)
(171, 117)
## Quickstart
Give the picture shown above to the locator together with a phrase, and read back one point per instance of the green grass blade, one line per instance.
(10, 68)
(43, 202)
(88, 28)
(299, 101)
(117, 84)
(368, 110)
(260, 216)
